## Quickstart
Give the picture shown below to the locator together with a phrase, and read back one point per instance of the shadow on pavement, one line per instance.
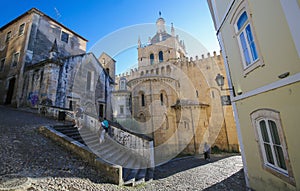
(182, 164)
(231, 183)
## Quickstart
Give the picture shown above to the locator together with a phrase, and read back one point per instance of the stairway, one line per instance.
(135, 169)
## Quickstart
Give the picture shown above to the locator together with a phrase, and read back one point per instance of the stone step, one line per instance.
(119, 156)
(64, 127)
(103, 152)
(134, 171)
(89, 137)
(124, 159)
(91, 142)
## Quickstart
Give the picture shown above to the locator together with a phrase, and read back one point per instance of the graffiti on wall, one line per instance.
(33, 98)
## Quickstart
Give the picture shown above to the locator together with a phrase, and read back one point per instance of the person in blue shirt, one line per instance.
(105, 124)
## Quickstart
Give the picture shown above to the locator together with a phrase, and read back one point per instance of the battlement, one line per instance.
(186, 61)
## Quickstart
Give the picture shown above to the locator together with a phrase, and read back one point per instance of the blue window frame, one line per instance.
(246, 40)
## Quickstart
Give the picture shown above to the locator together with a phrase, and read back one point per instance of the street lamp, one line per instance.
(220, 81)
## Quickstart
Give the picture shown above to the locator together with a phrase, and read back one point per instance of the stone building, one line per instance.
(44, 62)
(27, 40)
(175, 100)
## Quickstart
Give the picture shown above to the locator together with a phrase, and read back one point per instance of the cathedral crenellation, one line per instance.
(187, 61)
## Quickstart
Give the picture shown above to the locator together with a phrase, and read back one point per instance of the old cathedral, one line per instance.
(175, 99)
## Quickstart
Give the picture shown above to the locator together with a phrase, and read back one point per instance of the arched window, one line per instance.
(151, 58)
(161, 99)
(246, 40)
(168, 70)
(271, 139)
(162, 70)
(161, 56)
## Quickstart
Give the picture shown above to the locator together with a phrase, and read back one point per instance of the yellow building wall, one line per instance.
(275, 46)
(278, 54)
(285, 100)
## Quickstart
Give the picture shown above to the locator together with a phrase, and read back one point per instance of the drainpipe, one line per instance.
(238, 127)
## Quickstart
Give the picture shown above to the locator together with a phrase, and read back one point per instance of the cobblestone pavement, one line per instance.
(48, 166)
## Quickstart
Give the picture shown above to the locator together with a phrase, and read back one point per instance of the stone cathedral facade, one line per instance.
(175, 99)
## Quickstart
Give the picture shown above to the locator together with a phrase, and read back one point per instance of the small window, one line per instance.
(142, 100)
(122, 84)
(161, 99)
(246, 40)
(64, 37)
(121, 109)
(2, 62)
(151, 59)
(8, 36)
(90, 81)
(271, 144)
(161, 56)
(21, 29)
(15, 59)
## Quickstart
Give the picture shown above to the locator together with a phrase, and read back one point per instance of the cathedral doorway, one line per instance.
(10, 91)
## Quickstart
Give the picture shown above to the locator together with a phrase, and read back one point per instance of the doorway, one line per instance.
(10, 91)
(101, 110)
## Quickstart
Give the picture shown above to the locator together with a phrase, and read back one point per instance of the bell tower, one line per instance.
(162, 47)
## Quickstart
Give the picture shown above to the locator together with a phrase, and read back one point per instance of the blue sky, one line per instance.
(96, 20)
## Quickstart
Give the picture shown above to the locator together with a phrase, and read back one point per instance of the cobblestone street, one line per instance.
(48, 166)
